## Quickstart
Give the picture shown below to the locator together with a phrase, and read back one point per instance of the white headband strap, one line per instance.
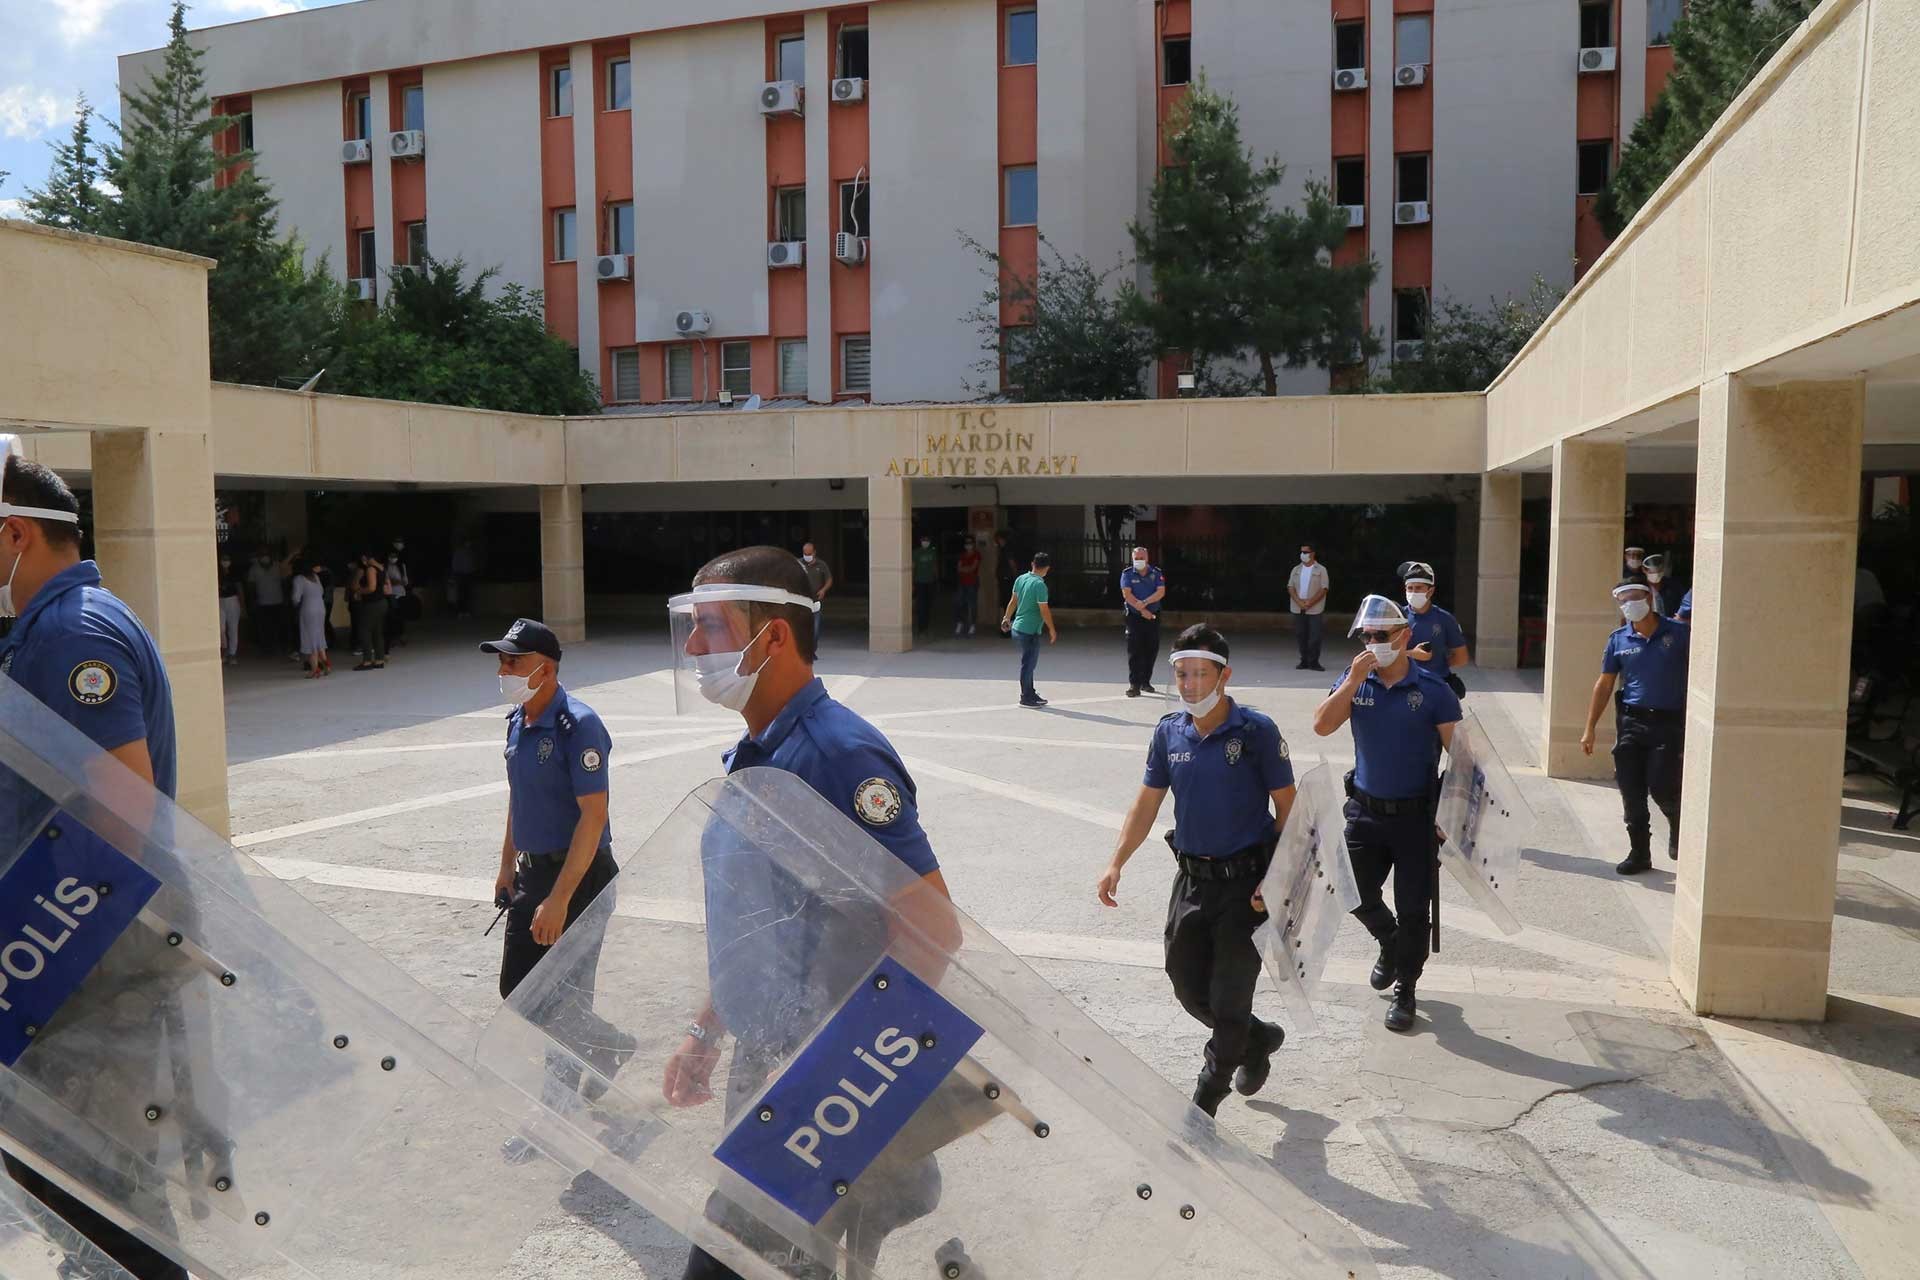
(1416, 578)
(1208, 654)
(738, 592)
(1631, 586)
(37, 513)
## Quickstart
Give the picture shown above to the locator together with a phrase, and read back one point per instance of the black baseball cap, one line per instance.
(525, 636)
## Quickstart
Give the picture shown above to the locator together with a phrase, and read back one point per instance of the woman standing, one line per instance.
(232, 587)
(370, 587)
(310, 608)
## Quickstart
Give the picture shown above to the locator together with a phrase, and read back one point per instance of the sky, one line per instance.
(52, 50)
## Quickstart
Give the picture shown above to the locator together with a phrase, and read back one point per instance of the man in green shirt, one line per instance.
(926, 574)
(1026, 615)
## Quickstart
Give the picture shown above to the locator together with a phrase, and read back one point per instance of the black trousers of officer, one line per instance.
(141, 1260)
(1215, 966)
(1646, 761)
(1401, 846)
(1143, 649)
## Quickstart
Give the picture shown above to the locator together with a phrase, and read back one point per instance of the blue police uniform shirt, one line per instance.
(1221, 781)
(79, 649)
(1141, 584)
(1441, 632)
(1685, 612)
(551, 763)
(1652, 669)
(1396, 733)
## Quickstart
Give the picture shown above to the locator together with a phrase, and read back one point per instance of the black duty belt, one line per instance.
(1380, 807)
(1249, 863)
(528, 859)
(1655, 715)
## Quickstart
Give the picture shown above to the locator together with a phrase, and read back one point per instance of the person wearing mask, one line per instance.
(1436, 632)
(1142, 587)
(1647, 658)
(966, 596)
(232, 589)
(1307, 600)
(926, 576)
(1635, 559)
(1026, 615)
(1401, 716)
(401, 602)
(819, 582)
(81, 651)
(310, 609)
(1232, 782)
(370, 587)
(1666, 592)
(264, 580)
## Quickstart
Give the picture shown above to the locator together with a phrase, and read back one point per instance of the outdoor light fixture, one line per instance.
(1186, 384)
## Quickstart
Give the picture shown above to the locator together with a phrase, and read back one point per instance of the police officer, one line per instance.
(1658, 571)
(1434, 629)
(1648, 658)
(1402, 716)
(744, 639)
(1225, 763)
(1142, 587)
(79, 649)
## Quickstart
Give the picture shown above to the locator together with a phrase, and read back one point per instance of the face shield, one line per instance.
(716, 651)
(1197, 678)
(1381, 626)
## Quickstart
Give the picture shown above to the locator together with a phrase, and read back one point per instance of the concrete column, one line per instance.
(1584, 540)
(1461, 591)
(563, 561)
(889, 564)
(1496, 628)
(153, 537)
(1778, 502)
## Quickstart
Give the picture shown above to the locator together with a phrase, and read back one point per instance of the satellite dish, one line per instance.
(753, 402)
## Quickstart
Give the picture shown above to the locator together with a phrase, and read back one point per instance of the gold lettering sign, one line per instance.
(978, 448)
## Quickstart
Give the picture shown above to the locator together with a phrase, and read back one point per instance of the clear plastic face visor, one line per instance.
(1377, 613)
(1196, 673)
(711, 629)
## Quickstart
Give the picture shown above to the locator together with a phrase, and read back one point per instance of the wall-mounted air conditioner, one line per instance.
(1409, 74)
(780, 98)
(1595, 61)
(1348, 79)
(407, 144)
(1411, 213)
(849, 248)
(613, 266)
(787, 253)
(692, 324)
(356, 151)
(849, 89)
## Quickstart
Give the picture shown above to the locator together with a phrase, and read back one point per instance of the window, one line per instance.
(1023, 37)
(1413, 39)
(790, 59)
(855, 208)
(1596, 25)
(620, 227)
(853, 56)
(1413, 178)
(793, 368)
(360, 112)
(736, 368)
(1349, 46)
(1350, 180)
(417, 243)
(620, 85)
(368, 262)
(1595, 159)
(1661, 15)
(680, 372)
(560, 92)
(626, 375)
(566, 235)
(1176, 60)
(246, 132)
(1023, 197)
(790, 213)
(856, 363)
(413, 107)
(1409, 315)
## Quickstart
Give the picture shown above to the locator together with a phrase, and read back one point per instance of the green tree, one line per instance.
(1466, 347)
(440, 339)
(1076, 341)
(1235, 278)
(71, 196)
(1718, 46)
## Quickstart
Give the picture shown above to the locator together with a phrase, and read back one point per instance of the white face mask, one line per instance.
(1139, 566)
(1383, 653)
(720, 679)
(1634, 609)
(1204, 707)
(808, 559)
(517, 690)
(1418, 599)
(1633, 562)
(6, 592)
(1654, 577)
(1305, 558)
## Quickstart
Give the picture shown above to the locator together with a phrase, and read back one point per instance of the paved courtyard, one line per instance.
(1556, 1113)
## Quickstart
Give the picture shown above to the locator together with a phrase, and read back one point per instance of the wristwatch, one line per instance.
(703, 1034)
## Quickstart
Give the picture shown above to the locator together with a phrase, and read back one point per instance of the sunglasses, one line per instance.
(1375, 637)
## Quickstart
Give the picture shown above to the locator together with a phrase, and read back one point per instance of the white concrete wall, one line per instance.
(932, 181)
(1090, 113)
(379, 94)
(483, 166)
(1504, 148)
(297, 135)
(822, 199)
(700, 179)
(1380, 169)
(586, 206)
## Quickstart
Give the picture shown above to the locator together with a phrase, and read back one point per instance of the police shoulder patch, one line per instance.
(591, 760)
(877, 801)
(92, 683)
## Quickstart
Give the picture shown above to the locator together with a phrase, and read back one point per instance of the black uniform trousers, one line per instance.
(1647, 754)
(533, 881)
(140, 1259)
(1214, 965)
(1143, 649)
(1401, 846)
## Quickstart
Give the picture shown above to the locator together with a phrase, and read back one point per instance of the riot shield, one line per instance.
(1485, 821)
(1309, 892)
(36, 1245)
(198, 1054)
(894, 1093)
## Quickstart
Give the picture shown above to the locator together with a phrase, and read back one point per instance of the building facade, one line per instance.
(727, 197)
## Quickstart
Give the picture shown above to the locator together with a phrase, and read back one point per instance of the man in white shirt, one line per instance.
(1307, 599)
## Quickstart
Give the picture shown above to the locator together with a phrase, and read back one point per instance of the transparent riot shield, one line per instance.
(198, 1054)
(1309, 891)
(36, 1245)
(890, 1092)
(1485, 821)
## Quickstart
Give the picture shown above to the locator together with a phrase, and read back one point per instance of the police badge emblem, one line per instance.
(1415, 698)
(877, 801)
(92, 683)
(1234, 749)
(546, 750)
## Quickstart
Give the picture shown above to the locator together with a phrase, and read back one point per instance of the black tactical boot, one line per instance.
(1400, 1012)
(1208, 1096)
(1638, 859)
(1384, 968)
(1251, 1078)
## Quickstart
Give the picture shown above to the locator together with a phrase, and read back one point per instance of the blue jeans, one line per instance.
(1029, 645)
(966, 605)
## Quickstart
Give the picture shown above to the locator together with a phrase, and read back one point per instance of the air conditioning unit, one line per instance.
(1409, 74)
(1407, 351)
(1593, 61)
(407, 144)
(849, 248)
(360, 290)
(613, 266)
(1349, 78)
(780, 98)
(356, 151)
(849, 89)
(692, 323)
(1356, 214)
(787, 253)
(1410, 213)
